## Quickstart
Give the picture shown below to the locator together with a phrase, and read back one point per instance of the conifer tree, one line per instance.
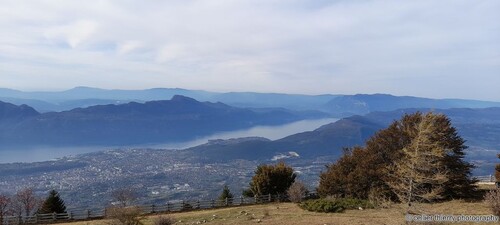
(226, 195)
(420, 174)
(53, 204)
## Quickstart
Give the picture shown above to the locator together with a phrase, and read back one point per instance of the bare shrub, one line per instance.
(378, 198)
(25, 202)
(493, 200)
(124, 196)
(297, 191)
(4, 207)
(163, 220)
(125, 215)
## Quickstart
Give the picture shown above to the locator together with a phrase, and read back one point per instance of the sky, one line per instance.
(427, 48)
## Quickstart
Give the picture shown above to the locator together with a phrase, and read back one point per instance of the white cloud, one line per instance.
(171, 52)
(73, 34)
(399, 47)
(129, 46)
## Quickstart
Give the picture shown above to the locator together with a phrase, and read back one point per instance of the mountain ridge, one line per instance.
(336, 104)
(179, 119)
(479, 127)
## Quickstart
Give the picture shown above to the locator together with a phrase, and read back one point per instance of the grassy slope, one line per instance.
(290, 214)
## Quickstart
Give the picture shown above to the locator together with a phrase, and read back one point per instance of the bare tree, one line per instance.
(4, 207)
(420, 175)
(297, 191)
(124, 196)
(26, 202)
(497, 172)
(492, 198)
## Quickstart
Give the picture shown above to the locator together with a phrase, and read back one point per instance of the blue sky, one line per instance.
(428, 48)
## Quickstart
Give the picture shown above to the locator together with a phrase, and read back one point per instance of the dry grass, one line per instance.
(291, 214)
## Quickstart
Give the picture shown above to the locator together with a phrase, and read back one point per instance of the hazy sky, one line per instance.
(430, 48)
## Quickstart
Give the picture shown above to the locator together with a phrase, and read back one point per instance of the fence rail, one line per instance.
(488, 178)
(84, 214)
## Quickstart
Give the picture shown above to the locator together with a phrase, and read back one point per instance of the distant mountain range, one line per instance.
(178, 119)
(362, 104)
(337, 105)
(125, 123)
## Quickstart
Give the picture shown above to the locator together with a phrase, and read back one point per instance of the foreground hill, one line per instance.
(178, 119)
(327, 140)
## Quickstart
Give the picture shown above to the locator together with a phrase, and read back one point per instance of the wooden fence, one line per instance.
(487, 179)
(179, 206)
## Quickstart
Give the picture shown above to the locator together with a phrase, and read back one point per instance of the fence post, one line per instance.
(54, 216)
(212, 204)
(88, 214)
(198, 205)
(269, 198)
(70, 216)
(36, 217)
(168, 207)
(255, 199)
(241, 200)
(491, 178)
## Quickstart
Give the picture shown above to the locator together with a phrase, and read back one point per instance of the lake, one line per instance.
(45, 153)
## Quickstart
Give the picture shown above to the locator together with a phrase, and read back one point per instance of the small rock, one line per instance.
(259, 220)
(360, 208)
